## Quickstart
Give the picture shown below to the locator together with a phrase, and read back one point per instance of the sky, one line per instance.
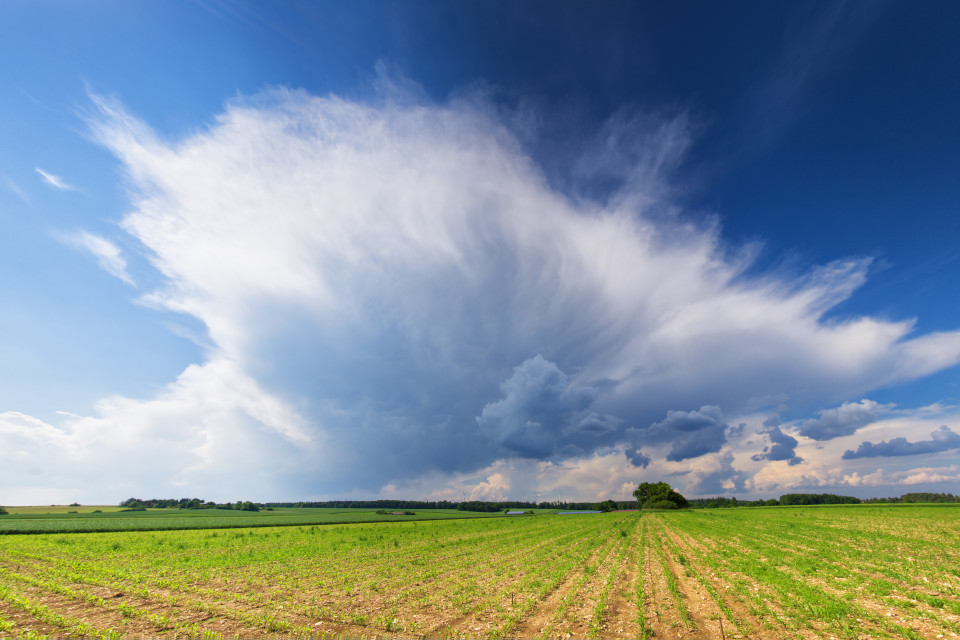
(473, 250)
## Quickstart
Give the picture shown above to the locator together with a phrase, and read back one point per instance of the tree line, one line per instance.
(794, 499)
(466, 505)
(648, 495)
(909, 498)
(136, 504)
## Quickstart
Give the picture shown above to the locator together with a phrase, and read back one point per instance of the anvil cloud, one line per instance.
(396, 296)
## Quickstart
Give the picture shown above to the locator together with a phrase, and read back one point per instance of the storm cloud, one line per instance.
(692, 433)
(844, 420)
(782, 446)
(539, 409)
(943, 439)
(405, 295)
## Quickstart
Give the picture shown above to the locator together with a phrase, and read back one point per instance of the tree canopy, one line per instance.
(659, 495)
(608, 505)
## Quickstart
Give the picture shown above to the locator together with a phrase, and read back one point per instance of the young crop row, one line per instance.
(59, 521)
(837, 572)
(434, 578)
(759, 573)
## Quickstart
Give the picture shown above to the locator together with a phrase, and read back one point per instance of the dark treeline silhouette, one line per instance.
(136, 504)
(794, 499)
(909, 498)
(721, 502)
(816, 498)
(789, 499)
(587, 506)
(366, 504)
(466, 505)
(786, 500)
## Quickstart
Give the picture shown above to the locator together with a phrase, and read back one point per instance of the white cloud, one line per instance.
(108, 255)
(906, 478)
(213, 428)
(378, 270)
(21, 430)
(54, 181)
(781, 477)
(599, 476)
(824, 467)
(14, 187)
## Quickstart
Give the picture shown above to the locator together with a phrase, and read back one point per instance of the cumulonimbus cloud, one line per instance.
(404, 276)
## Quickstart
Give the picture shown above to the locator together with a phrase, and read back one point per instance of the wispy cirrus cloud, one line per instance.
(108, 255)
(14, 187)
(54, 181)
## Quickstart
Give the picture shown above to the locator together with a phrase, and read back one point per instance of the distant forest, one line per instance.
(469, 505)
(789, 499)
(794, 499)
(136, 504)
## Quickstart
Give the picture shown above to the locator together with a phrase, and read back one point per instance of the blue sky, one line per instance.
(447, 250)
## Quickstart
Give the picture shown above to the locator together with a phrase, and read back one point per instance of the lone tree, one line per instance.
(659, 495)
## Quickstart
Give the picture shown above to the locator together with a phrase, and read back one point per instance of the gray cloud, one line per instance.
(943, 439)
(783, 446)
(708, 440)
(692, 433)
(842, 421)
(637, 457)
(540, 407)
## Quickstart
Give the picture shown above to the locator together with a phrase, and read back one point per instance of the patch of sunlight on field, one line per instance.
(62, 508)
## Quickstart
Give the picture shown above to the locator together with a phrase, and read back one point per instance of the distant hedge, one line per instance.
(816, 498)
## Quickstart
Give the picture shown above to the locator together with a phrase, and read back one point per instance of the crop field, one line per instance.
(807, 572)
(64, 509)
(79, 520)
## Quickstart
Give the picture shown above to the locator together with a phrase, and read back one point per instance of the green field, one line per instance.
(63, 509)
(60, 520)
(765, 573)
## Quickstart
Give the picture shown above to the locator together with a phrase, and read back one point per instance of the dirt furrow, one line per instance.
(662, 613)
(579, 620)
(620, 618)
(542, 616)
(737, 620)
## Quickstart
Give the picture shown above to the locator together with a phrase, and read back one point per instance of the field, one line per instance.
(62, 509)
(806, 572)
(86, 519)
